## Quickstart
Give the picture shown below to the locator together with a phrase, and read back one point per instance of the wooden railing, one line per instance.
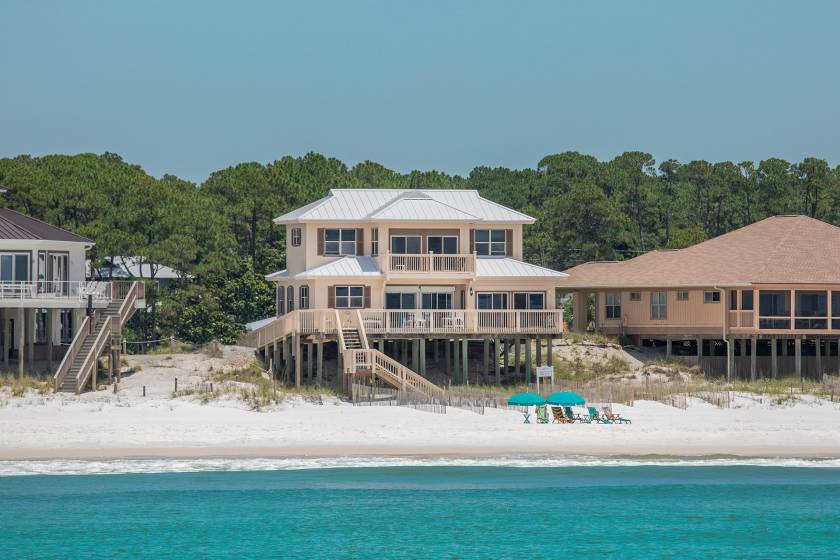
(300, 321)
(390, 371)
(102, 338)
(390, 263)
(72, 351)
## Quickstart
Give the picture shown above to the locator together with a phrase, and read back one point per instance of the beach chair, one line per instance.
(615, 418)
(558, 416)
(578, 417)
(542, 415)
(597, 418)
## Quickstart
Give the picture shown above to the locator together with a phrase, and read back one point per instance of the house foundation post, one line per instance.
(296, 355)
(465, 360)
(319, 369)
(496, 365)
(415, 355)
(797, 353)
(517, 350)
(421, 354)
(485, 356)
(21, 328)
(447, 357)
(753, 348)
(528, 342)
(774, 357)
(818, 349)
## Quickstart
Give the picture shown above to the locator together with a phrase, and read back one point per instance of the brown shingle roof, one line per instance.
(776, 250)
(14, 225)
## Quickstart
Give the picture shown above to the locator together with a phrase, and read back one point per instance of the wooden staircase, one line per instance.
(96, 334)
(352, 339)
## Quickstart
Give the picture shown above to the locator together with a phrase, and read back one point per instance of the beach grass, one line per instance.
(19, 386)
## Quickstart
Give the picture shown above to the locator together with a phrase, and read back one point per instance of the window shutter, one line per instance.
(360, 241)
(331, 297)
(367, 297)
(472, 241)
(320, 242)
(509, 242)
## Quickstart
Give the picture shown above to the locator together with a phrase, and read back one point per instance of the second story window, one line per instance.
(635, 296)
(658, 306)
(711, 297)
(296, 236)
(406, 244)
(339, 242)
(349, 296)
(374, 242)
(491, 242)
(303, 297)
(290, 299)
(613, 306)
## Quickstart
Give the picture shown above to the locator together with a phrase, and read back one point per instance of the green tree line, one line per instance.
(220, 233)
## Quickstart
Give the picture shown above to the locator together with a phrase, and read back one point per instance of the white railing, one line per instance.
(427, 263)
(390, 371)
(89, 364)
(300, 321)
(454, 321)
(72, 352)
(22, 291)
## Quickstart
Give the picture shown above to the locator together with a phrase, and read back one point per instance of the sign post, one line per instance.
(544, 372)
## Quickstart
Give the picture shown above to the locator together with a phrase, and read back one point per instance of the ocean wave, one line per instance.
(133, 466)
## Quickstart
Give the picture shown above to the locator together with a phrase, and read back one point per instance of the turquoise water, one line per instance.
(428, 512)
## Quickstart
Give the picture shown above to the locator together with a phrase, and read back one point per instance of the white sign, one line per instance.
(545, 371)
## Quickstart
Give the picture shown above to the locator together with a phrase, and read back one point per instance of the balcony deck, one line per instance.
(427, 265)
(57, 294)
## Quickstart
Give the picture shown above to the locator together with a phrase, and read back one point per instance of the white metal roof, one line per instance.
(133, 267)
(277, 275)
(505, 267)
(344, 267)
(259, 324)
(404, 205)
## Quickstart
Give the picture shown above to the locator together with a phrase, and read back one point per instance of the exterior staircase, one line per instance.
(96, 334)
(352, 340)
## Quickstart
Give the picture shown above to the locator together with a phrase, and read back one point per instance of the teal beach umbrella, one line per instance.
(526, 399)
(565, 398)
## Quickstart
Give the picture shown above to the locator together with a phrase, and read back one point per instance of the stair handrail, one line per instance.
(130, 296)
(93, 354)
(406, 376)
(361, 330)
(71, 353)
(339, 332)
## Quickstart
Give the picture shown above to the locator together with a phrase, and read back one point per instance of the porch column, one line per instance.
(774, 358)
(818, 344)
(309, 360)
(496, 346)
(528, 360)
(30, 336)
(538, 342)
(730, 358)
(415, 355)
(579, 312)
(753, 348)
(486, 359)
(517, 351)
(287, 365)
(7, 338)
(699, 350)
(21, 331)
(456, 369)
(668, 347)
(319, 370)
(549, 351)
(51, 340)
(797, 352)
(421, 354)
(275, 356)
(506, 355)
(465, 360)
(296, 351)
(447, 357)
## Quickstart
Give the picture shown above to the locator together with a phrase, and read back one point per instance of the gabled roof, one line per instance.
(14, 225)
(342, 205)
(776, 250)
(277, 275)
(345, 267)
(506, 267)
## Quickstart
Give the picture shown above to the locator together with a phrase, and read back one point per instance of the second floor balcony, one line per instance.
(427, 264)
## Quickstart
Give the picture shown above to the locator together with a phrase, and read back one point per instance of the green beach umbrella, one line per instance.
(565, 398)
(526, 399)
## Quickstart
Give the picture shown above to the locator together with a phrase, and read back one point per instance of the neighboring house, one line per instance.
(763, 300)
(133, 268)
(411, 272)
(45, 300)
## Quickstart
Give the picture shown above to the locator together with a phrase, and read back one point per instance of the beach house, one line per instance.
(49, 313)
(763, 300)
(394, 280)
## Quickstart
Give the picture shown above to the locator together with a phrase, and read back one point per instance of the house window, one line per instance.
(340, 242)
(374, 242)
(711, 297)
(658, 306)
(303, 297)
(440, 244)
(280, 300)
(14, 267)
(491, 242)
(613, 306)
(40, 326)
(350, 296)
(635, 296)
(437, 300)
(529, 300)
(682, 296)
(406, 244)
(296, 235)
(401, 300)
(290, 299)
(492, 300)
(747, 300)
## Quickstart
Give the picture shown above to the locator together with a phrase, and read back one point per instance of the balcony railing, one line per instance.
(428, 263)
(44, 290)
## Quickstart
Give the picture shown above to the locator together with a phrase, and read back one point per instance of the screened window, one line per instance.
(491, 242)
(711, 297)
(658, 306)
(350, 296)
(340, 242)
(682, 296)
(439, 300)
(747, 300)
(635, 296)
(835, 310)
(613, 302)
(492, 300)
(280, 301)
(443, 245)
(773, 303)
(14, 267)
(529, 300)
(303, 297)
(290, 299)
(296, 236)
(405, 244)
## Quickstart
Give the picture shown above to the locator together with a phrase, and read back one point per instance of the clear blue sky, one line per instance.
(191, 87)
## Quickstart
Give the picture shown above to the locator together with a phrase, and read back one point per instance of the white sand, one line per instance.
(104, 425)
